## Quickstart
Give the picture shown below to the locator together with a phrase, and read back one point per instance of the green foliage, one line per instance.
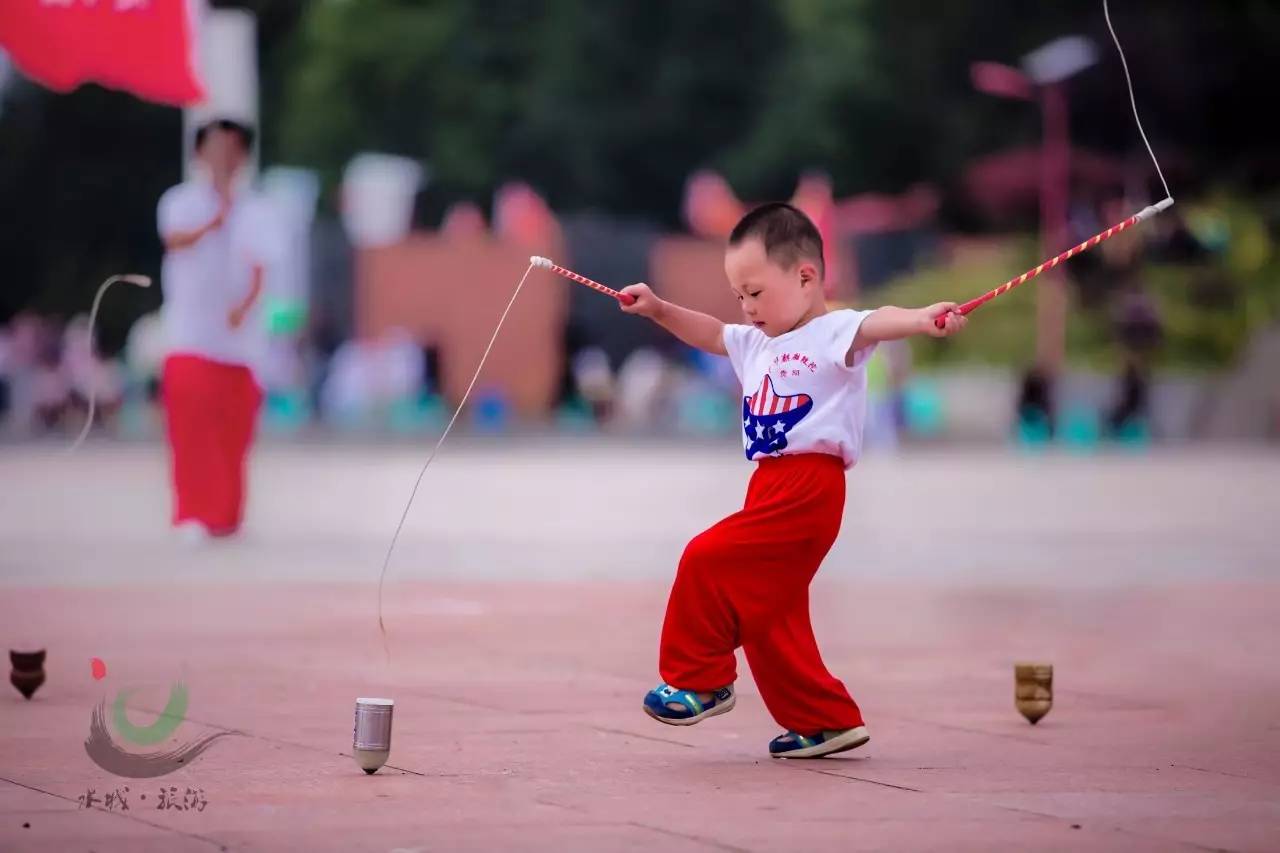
(1208, 310)
(80, 175)
(489, 90)
(1002, 332)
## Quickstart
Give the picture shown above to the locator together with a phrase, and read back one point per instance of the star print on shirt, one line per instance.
(768, 416)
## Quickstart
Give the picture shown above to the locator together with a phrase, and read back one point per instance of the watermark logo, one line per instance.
(105, 752)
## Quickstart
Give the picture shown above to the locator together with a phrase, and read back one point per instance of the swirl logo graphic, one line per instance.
(110, 756)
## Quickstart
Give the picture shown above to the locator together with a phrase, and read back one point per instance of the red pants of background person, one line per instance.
(745, 582)
(210, 412)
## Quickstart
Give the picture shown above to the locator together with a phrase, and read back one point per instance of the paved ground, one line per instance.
(523, 611)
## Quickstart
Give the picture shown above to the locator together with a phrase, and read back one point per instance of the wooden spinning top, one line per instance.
(1033, 689)
(28, 671)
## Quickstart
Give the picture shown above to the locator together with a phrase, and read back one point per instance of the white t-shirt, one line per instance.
(204, 282)
(798, 394)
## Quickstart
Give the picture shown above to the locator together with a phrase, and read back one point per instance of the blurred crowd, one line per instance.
(320, 370)
(317, 371)
(48, 370)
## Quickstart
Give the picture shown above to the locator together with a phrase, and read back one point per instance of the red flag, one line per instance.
(145, 47)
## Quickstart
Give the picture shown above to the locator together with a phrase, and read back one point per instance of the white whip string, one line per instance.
(1106, 11)
(462, 403)
(132, 278)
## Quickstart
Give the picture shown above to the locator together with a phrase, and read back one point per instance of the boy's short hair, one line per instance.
(244, 131)
(787, 234)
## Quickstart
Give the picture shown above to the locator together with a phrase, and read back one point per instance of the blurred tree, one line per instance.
(80, 175)
(607, 105)
(877, 93)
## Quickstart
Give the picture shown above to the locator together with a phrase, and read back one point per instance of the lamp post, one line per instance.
(1042, 77)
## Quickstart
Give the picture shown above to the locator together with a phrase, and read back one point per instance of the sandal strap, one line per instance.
(804, 740)
(687, 698)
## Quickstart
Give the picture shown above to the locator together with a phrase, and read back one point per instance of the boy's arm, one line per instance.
(693, 327)
(890, 324)
(236, 318)
(176, 239)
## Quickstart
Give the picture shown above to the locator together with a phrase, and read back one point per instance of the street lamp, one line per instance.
(1042, 77)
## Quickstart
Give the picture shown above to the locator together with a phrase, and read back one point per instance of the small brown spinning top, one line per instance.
(1033, 689)
(28, 671)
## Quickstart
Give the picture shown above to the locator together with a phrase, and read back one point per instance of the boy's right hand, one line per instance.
(220, 219)
(646, 304)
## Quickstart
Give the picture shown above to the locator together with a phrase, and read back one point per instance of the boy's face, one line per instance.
(224, 151)
(774, 299)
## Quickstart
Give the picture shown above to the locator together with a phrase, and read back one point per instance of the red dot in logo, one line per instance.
(98, 668)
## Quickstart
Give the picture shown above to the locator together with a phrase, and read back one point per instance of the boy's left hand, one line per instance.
(953, 323)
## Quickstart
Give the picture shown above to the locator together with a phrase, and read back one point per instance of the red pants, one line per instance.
(745, 582)
(210, 412)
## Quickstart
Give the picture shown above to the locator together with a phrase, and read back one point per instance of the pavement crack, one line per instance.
(688, 836)
(610, 731)
(849, 778)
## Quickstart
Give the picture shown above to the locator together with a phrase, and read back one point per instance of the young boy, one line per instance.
(745, 581)
(218, 245)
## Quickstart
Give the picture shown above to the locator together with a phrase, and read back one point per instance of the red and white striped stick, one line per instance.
(1144, 214)
(965, 308)
(547, 264)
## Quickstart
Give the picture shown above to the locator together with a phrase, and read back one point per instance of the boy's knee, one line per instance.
(703, 553)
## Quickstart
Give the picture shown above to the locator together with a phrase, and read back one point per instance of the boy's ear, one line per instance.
(808, 273)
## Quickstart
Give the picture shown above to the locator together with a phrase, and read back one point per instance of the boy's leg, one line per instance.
(799, 691)
(190, 425)
(700, 631)
(241, 400)
(797, 509)
(219, 413)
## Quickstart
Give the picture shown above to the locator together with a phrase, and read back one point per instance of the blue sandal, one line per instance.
(795, 745)
(693, 710)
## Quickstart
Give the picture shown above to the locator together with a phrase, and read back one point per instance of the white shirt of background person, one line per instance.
(221, 242)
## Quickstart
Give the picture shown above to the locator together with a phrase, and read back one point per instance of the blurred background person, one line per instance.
(217, 249)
